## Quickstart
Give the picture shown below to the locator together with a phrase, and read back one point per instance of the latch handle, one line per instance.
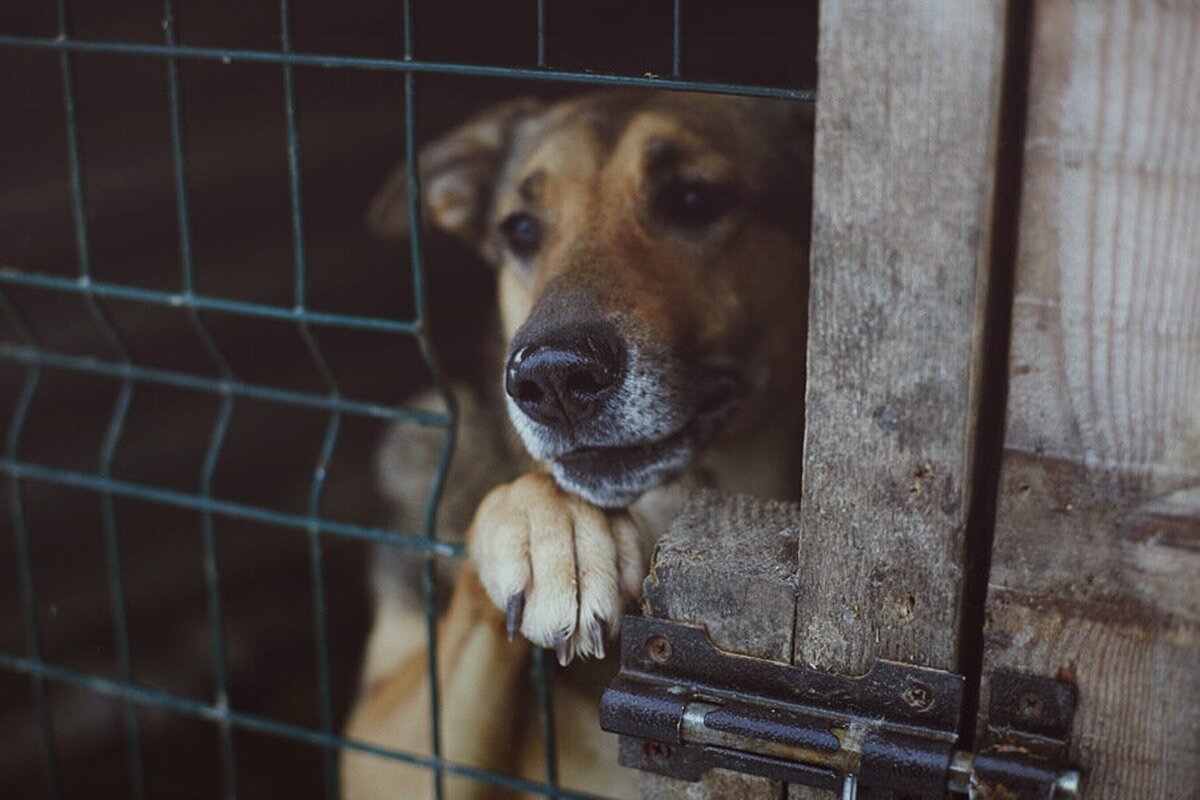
(683, 706)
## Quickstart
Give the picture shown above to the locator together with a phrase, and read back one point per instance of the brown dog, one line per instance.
(652, 252)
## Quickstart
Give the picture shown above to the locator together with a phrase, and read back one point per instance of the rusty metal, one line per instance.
(894, 726)
(682, 706)
(1027, 740)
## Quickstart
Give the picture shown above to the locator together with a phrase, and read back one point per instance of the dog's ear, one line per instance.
(458, 174)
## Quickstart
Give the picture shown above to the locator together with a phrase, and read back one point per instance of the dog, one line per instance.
(651, 256)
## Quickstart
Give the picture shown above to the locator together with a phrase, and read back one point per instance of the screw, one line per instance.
(919, 697)
(656, 751)
(659, 649)
(1030, 705)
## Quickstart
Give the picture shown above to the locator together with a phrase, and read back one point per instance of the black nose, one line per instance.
(563, 378)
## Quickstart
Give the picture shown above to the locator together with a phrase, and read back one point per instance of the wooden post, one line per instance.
(1096, 566)
(727, 562)
(902, 204)
(906, 136)
(1096, 561)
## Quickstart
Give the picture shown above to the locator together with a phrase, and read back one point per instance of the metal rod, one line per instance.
(216, 439)
(89, 287)
(321, 469)
(414, 65)
(79, 480)
(844, 760)
(186, 380)
(541, 670)
(25, 582)
(216, 612)
(428, 574)
(677, 39)
(252, 722)
(116, 586)
(320, 616)
(120, 617)
(182, 208)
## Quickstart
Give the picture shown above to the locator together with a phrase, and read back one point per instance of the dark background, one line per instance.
(351, 135)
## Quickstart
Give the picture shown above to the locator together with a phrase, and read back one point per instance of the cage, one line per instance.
(202, 347)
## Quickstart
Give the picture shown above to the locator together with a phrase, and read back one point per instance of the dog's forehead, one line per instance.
(581, 136)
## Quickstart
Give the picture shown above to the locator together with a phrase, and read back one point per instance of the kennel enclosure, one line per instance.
(1002, 429)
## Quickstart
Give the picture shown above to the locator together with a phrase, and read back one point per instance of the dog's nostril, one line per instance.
(529, 392)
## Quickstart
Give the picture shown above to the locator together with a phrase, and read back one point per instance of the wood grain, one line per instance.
(906, 134)
(907, 129)
(727, 562)
(1097, 547)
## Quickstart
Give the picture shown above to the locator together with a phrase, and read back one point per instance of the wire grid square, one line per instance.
(122, 367)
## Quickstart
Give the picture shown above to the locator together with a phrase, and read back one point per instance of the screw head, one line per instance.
(919, 697)
(1031, 705)
(659, 649)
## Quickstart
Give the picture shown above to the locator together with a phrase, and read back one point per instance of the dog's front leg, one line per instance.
(480, 677)
(561, 568)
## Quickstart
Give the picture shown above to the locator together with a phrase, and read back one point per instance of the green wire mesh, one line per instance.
(29, 352)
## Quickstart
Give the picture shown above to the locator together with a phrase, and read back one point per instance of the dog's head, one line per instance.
(652, 252)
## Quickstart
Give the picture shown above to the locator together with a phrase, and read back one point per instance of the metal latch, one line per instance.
(682, 706)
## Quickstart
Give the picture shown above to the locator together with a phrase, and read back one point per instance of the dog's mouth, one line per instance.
(613, 476)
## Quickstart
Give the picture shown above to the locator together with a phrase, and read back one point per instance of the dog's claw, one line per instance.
(562, 647)
(596, 635)
(514, 613)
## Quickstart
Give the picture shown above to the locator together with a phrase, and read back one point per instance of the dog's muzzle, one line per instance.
(612, 419)
(564, 379)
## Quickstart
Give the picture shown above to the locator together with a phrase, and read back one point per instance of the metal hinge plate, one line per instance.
(682, 706)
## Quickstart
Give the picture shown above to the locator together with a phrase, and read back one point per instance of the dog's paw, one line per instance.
(560, 568)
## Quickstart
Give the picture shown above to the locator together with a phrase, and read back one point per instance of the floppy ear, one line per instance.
(458, 174)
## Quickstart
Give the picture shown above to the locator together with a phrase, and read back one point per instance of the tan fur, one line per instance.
(728, 295)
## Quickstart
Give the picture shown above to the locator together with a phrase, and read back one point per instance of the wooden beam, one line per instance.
(1096, 567)
(906, 139)
(727, 562)
(905, 151)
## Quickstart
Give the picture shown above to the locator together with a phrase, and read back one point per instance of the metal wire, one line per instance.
(428, 574)
(28, 594)
(252, 722)
(24, 470)
(87, 287)
(321, 470)
(677, 38)
(224, 386)
(116, 586)
(227, 55)
(29, 352)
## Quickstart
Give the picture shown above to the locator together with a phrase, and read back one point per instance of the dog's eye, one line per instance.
(522, 232)
(693, 203)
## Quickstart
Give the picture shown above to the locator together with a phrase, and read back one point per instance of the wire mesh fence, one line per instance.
(25, 348)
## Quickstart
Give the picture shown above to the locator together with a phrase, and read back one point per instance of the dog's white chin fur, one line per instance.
(622, 486)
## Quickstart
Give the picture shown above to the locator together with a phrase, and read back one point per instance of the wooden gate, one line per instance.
(1002, 447)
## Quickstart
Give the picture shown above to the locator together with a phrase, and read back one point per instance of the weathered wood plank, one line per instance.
(1097, 547)
(907, 130)
(727, 562)
(903, 185)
